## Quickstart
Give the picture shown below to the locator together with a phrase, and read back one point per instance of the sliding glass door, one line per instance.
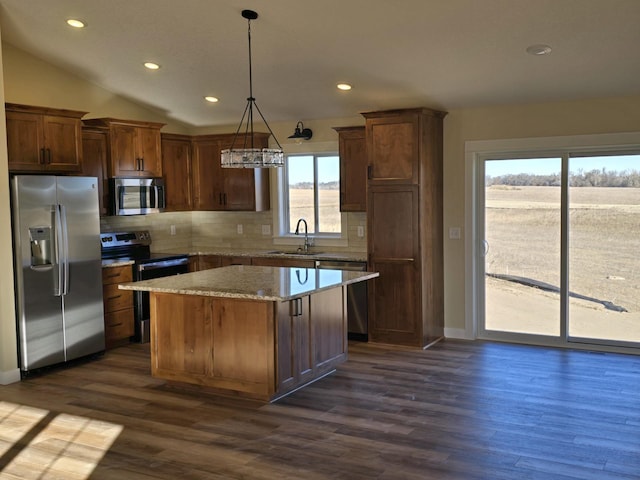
(522, 219)
(604, 249)
(560, 249)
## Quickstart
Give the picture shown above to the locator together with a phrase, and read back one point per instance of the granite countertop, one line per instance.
(252, 282)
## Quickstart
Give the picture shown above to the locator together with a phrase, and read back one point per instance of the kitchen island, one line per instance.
(259, 332)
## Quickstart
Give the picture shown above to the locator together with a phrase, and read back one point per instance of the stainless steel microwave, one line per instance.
(136, 196)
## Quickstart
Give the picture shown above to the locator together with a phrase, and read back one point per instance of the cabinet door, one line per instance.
(94, 163)
(25, 141)
(176, 167)
(205, 262)
(353, 169)
(393, 144)
(148, 151)
(393, 245)
(124, 159)
(62, 138)
(329, 323)
(294, 337)
(239, 191)
(207, 175)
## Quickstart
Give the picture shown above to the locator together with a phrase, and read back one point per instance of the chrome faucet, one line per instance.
(306, 245)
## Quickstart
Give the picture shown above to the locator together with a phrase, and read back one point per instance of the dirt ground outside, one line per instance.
(523, 239)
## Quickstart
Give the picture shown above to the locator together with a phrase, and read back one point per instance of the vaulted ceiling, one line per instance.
(444, 54)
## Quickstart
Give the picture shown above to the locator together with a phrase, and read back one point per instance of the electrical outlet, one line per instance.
(454, 233)
(266, 229)
(360, 231)
(173, 229)
(240, 229)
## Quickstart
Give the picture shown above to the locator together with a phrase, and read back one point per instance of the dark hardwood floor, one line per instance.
(459, 410)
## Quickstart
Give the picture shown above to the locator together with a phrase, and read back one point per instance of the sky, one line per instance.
(301, 168)
(546, 166)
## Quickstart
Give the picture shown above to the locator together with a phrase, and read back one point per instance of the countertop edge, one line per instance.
(363, 276)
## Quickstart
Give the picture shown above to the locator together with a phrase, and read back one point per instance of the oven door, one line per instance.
(148, 271)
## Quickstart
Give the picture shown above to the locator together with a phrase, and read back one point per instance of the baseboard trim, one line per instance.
(10, 376)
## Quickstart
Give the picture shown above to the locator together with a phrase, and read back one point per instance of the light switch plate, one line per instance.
(360, 231)
(266, 229)
(173, 229)
(240, 229)
(454, 233)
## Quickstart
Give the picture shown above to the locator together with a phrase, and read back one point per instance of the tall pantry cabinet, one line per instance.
(404, 221)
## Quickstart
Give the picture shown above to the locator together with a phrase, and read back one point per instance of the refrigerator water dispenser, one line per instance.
(41, 251)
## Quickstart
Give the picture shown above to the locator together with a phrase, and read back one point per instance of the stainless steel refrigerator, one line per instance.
(56, 228)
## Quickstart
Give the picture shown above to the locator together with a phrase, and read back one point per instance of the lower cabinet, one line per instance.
(259, 349)
(118, 306)
(282, 262)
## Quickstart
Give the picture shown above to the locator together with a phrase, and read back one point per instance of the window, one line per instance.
(312, 192)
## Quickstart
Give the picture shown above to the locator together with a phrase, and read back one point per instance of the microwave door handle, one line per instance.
(156, 196)
(120, 205)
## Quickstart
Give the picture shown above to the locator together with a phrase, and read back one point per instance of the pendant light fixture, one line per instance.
(248, 156)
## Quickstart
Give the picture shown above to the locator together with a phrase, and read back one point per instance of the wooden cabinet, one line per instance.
(393, 147)
(404, 222)
(41, 139)
(260, 349)
(353, 168)
(282, 262)
(94, 162)
(134, 147)
(194, 263)
(217, 188)
(176, 168)
(118, 305)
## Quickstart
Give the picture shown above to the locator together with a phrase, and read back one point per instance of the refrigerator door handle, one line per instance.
(65, 249)
(57, 256)
(61, 283)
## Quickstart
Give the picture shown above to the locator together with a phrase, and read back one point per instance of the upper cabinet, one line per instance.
(94, 162)
(393, 146)
(134, 147)
(176, 167)
(41, 139)
(353, 169)
(217, 188)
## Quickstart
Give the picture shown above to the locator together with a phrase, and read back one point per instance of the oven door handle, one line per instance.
(162, 264)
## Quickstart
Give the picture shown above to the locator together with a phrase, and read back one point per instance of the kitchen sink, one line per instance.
(294, 252)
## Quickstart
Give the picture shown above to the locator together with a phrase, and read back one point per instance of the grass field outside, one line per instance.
(523, 236)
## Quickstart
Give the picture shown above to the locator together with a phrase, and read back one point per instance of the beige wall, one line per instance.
(8, 348)
(30, 81)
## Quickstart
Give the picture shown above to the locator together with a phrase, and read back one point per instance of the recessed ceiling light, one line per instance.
(152, 66)
(75, 23)
(540, 49)
(211, 99)
(344, 86)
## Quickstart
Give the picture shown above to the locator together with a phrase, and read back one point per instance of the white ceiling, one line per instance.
(442, 54)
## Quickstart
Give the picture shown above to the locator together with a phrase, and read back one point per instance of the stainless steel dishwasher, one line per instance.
(357, 309)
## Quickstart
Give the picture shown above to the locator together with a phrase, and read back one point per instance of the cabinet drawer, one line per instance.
(117, 275)
(115, 299)
(118, 325)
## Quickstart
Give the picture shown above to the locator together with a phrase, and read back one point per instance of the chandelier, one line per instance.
(248, 156)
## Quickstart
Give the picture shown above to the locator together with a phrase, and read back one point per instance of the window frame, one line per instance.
(281, 220)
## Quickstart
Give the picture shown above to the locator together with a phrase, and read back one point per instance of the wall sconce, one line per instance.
(301, 133)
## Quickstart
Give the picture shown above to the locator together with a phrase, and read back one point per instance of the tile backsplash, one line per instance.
(196, 231)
